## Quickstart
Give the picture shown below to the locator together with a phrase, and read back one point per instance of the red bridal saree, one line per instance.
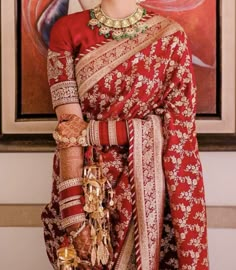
(159, 221)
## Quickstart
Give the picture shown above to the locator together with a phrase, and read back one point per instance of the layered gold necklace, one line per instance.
(128, 27)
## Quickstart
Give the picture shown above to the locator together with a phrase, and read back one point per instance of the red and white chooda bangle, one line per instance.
(110, 132)
(71, 202)
(98, 133)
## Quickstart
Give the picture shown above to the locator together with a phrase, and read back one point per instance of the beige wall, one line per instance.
(26, 179)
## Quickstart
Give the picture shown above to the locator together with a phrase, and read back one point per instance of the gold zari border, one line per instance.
(158, 188)
(165, 26)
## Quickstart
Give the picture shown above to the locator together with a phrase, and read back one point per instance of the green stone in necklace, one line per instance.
(118, 29)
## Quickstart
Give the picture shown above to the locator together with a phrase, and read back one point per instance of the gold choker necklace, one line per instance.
(127, 27)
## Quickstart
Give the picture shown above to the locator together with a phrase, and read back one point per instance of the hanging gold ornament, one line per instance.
(98, 192)
(67, 258)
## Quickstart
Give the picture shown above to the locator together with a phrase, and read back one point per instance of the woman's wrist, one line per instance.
(75, 227)
(75, 230)
(73, 131)
(69, 221)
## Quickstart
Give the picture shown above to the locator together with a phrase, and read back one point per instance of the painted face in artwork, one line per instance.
(173, 5)
(57, 9)
(87, 4)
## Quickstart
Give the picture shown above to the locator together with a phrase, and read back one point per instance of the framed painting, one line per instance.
(27, 118)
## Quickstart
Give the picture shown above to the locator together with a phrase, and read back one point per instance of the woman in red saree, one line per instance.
(137, 92)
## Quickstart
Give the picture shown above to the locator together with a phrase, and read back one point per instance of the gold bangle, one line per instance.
(70, 204)
(74, 234)
(112, 134)
(69, 183)
(67, 222)
(96, 133)
(72, 198)
(88, 134)
(81, 140)
(91, 132)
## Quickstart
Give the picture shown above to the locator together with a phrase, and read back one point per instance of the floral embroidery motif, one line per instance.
(88, 72)
(69, 66)
(58, 63)
(64, 92)
(54, 66)
(53, 232)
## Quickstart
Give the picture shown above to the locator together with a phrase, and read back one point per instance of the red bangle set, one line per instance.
(73, 191)
(71, 202)
(122, 133)
(72, 210)
(113, 131)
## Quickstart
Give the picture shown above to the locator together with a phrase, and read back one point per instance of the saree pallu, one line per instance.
(148, 82)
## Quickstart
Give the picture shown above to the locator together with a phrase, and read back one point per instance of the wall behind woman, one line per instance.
(26, 185)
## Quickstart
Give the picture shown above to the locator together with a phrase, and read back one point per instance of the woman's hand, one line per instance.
(83, 243)
(83, 246)
(70, 125)
(71, 131)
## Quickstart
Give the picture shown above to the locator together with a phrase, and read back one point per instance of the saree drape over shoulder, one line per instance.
(160, 217)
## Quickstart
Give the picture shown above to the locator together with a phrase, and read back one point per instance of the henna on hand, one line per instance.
(83, 244)
(70, 131)
(71, 162)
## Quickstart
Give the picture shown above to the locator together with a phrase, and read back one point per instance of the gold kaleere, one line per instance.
(98, 192)
(67, 258)
(93, 256)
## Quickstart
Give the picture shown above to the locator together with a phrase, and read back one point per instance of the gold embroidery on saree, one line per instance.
(149, 188)
(54, 66)
(139, 191)
(64, 92)
(57, 62)
(158, 171)
(69, 65)
(95, 65)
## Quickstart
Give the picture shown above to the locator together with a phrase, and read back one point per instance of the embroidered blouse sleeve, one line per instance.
(60, 65)
(181, 162)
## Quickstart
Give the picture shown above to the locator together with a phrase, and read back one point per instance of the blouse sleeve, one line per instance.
(181, 162)
(60, 65)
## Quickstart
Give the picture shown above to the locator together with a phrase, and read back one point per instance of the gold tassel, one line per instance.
(67, 258)
(97, 191)
(95, 187)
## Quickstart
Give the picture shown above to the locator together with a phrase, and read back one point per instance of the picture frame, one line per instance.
(28, 133)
